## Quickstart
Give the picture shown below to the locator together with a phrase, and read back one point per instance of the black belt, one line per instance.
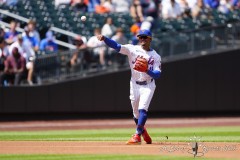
(143, 82)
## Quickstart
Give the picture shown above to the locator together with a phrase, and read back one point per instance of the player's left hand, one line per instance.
(141, 64)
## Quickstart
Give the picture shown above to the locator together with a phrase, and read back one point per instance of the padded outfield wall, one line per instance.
(209, 83)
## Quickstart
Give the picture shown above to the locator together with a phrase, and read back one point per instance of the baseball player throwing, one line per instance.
(145, 67)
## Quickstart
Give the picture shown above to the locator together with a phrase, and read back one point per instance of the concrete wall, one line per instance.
(206, 83)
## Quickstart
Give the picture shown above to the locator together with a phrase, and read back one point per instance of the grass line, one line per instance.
(98, 157)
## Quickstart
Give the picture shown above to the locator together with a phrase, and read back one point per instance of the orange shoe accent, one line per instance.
(146, 136)
(135, 140)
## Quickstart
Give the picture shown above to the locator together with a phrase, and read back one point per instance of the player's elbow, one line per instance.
(154, 74)
(157, 75)
(118, 47)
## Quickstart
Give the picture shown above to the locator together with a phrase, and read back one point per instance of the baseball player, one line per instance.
(145, 67)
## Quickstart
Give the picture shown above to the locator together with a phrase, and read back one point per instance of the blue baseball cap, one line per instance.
(144, 32)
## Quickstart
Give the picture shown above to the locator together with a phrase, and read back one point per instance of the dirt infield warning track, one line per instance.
(208, 149)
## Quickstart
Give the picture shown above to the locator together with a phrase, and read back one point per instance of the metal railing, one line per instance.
(54, 67)
(200, 40)
(55, 29)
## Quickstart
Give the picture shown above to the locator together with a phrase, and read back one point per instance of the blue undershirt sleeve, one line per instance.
(154, 74)
(113, 44)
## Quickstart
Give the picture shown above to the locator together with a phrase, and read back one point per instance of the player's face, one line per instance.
(144, 40)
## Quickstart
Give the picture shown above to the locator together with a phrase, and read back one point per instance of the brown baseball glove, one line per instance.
(141, 64)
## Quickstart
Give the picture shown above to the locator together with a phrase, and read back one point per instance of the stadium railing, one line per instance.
(197, 40)
(55, 29)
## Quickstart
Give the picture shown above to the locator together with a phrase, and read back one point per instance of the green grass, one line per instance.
(97, 157)
(213, 134)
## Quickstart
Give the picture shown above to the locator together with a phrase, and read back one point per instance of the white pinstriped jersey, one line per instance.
(133, 52)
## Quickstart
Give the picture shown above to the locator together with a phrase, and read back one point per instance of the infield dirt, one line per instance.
(215, 150)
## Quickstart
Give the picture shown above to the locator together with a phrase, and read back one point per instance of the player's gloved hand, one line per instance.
(141, 64)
